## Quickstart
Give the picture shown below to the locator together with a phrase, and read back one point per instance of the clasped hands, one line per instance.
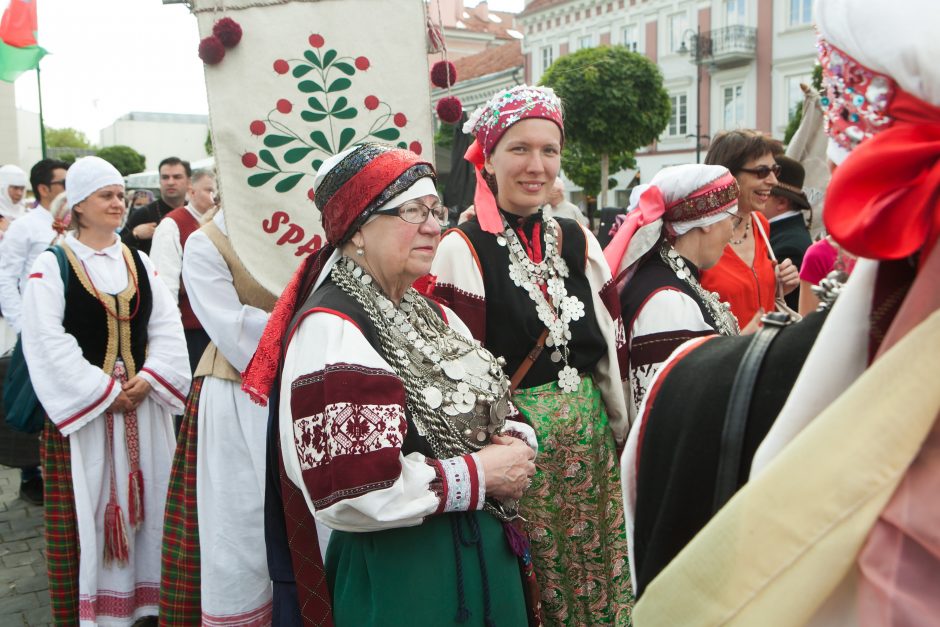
(132, 394)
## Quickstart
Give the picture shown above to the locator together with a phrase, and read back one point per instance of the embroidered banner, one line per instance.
(307, 80)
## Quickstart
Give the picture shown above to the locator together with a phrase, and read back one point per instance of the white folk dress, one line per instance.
(75, 395)
(230, 475)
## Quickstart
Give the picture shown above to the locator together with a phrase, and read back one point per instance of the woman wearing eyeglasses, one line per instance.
(393, 423)
(676, 227)
(745, 276)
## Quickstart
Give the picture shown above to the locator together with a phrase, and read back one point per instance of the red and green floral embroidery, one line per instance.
(291, 150)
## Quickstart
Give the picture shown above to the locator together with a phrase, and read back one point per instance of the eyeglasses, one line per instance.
(59, 182)
(736, 220)
(415, 212)
(763, 171)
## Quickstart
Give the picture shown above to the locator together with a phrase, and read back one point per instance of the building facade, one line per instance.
(160, 135)
(752, 56)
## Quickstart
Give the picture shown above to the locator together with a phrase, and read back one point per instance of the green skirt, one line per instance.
(411, 576)
(574, 509)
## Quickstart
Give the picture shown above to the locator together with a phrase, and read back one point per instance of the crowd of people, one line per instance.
(501, 423)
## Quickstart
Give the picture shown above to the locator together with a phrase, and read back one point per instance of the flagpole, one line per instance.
(42, 126)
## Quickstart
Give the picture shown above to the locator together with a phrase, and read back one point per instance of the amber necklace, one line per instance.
(111, 313)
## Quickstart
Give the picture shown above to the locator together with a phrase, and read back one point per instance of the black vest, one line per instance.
(512, 324)
(102, 338)
(652, 274)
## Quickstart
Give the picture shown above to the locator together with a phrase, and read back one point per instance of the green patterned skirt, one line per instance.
(453, 569)
(574, 509)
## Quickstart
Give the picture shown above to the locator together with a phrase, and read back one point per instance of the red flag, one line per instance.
(19, 24)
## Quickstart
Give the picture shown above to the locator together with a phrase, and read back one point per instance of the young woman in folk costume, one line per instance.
(108, 363)
(392, 425)
(529, 285)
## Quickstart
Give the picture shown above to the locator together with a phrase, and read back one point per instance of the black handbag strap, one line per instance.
(739, 404)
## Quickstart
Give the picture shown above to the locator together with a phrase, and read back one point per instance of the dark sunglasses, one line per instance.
(415, 212)
(57, 182)
(763, 171)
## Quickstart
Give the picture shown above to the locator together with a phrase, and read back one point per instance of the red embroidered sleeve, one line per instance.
(349, 425)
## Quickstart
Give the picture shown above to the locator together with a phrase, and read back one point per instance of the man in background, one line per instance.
(142, 222)
(166, 253)
(789, 235)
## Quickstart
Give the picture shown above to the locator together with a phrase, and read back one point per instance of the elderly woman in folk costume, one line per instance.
(214, 561)
(391, 423)
(838, 524)
(105, 348)
(676, 226)
(537, 292)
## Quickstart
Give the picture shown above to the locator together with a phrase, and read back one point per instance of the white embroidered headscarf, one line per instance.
(677, 200)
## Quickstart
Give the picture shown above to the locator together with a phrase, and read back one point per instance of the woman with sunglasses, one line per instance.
(745, 276)
(676, 227)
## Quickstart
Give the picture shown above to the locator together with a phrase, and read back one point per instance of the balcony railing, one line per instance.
(732, 45)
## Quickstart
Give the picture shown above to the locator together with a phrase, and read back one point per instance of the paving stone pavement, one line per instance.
(24, 588)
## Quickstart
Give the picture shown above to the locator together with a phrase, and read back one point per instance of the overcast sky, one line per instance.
(109, 57)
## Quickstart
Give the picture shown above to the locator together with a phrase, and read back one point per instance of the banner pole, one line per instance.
(42, 126)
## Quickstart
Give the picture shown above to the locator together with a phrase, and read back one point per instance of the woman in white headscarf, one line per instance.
(676, 226)
(105, 346)
(12, 192)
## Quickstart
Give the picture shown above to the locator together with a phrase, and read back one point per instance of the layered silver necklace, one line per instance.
(456, 392)
(557, 314)
(720, 311)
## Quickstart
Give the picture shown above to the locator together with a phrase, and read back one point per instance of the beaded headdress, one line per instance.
(856, 100)
(883, 104)
(489, 122)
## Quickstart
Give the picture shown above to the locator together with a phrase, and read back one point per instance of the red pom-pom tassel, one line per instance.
(443, 74)
(449, 109)
(211, 50)
(228, 31)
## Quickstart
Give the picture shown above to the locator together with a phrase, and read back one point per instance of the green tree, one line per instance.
(67, 157)
(583, 167)
(66, 138)
(124, 158)
(614, 102)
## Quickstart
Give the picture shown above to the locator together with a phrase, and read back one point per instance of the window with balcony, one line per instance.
(735, 12)
(679, 118)
(585, 41)
(630, 37)
(801, 12)
(733, 106)
(677, 23)
(548, 56)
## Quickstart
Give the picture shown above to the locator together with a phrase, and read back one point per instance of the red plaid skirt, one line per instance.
(180, 602)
